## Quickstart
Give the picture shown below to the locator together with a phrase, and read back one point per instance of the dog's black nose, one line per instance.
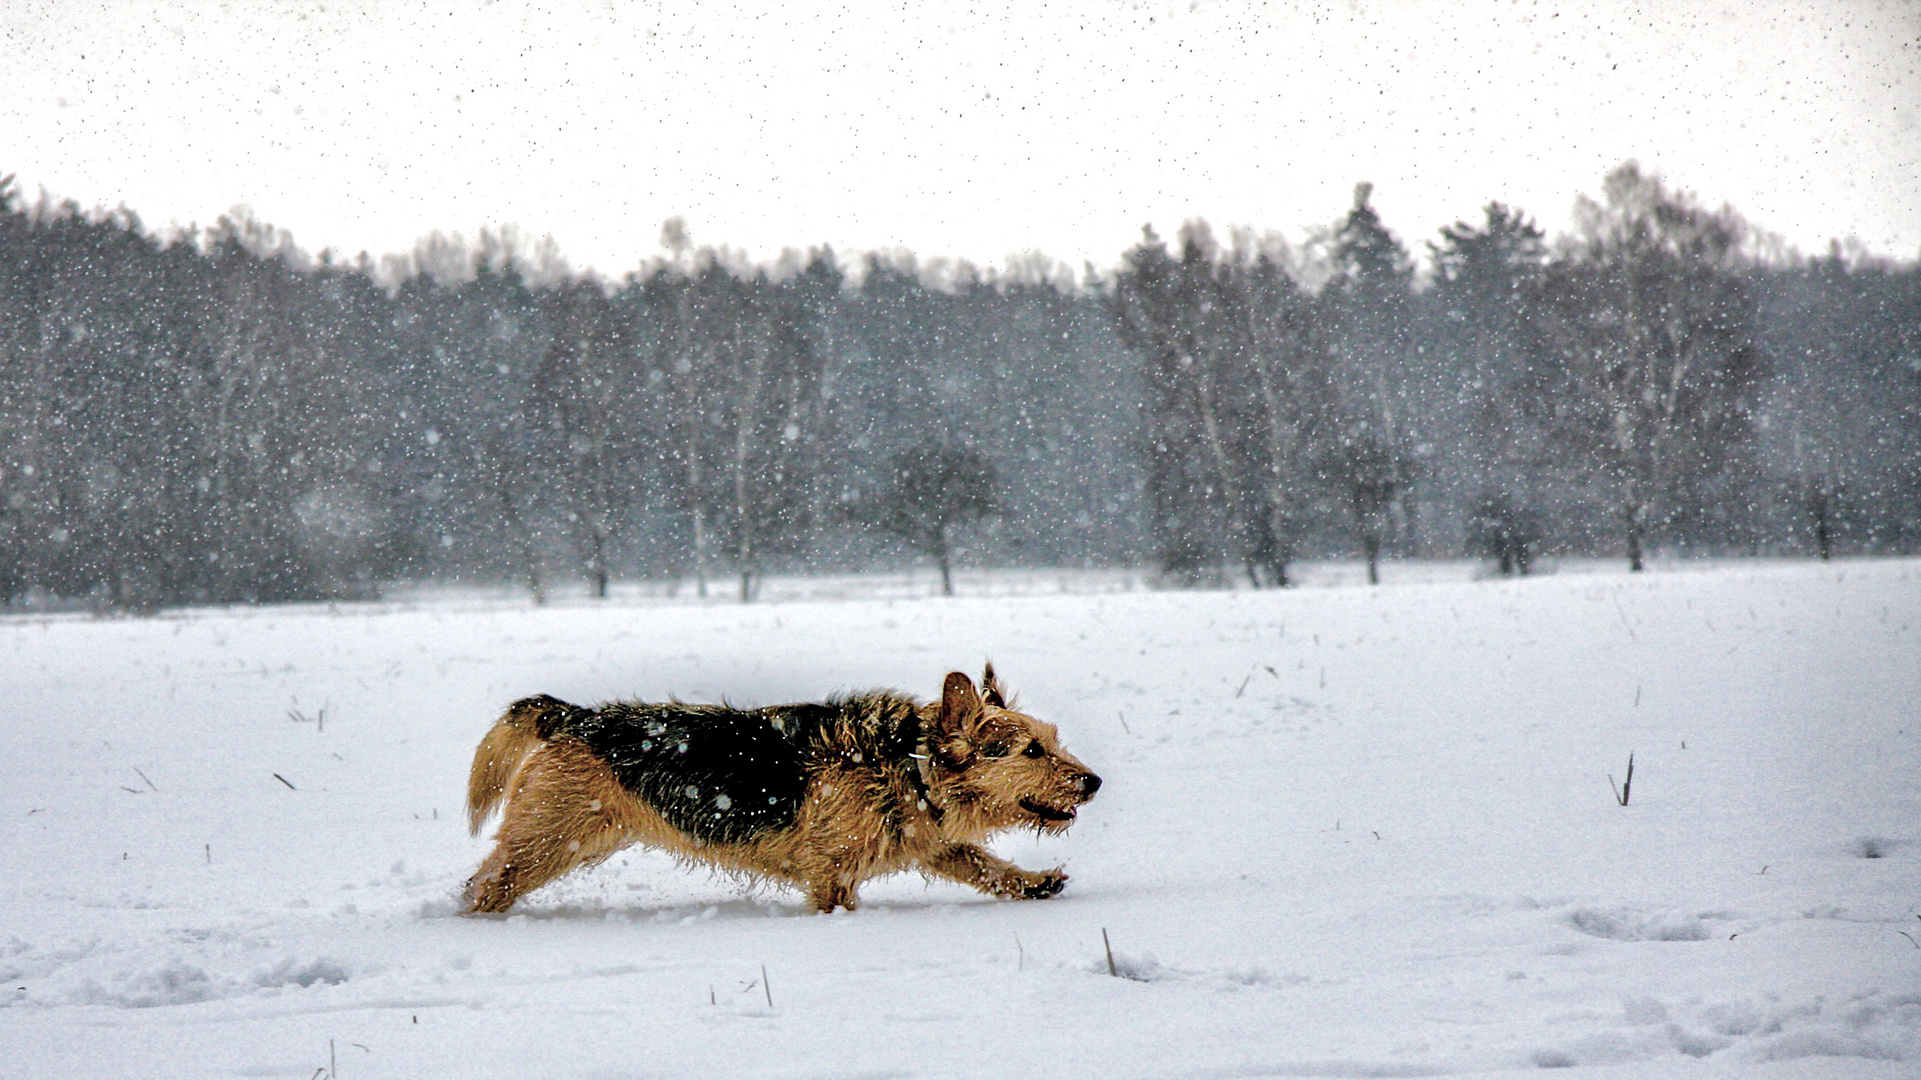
(1090, 784)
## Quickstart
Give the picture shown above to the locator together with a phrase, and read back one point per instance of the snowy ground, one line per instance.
(1346, 831)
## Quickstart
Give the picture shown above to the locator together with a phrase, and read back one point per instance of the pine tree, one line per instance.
(1378, 374)
(1484, 276)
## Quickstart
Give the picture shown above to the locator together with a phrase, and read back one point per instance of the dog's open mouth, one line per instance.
(1046, 812)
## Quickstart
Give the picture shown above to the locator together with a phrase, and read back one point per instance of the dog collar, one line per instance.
(923, 775)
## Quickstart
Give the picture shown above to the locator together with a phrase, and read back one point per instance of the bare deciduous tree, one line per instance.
(1648, 356)
(932, 489)
(1237, 382)
(585, 387)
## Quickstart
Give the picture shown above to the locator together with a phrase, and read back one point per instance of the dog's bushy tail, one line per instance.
(526, 724)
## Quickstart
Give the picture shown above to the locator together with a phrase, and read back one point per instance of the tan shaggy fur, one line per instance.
(864, 814)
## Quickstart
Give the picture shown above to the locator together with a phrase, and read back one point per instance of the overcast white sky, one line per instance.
(972, 130)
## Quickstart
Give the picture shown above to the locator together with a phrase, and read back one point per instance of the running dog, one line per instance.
(820, 796)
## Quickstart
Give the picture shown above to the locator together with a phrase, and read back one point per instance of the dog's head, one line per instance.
(1000, 767)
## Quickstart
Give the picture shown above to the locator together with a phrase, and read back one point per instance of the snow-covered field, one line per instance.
(1346, 831)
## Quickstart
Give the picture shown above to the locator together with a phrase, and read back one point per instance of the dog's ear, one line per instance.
(960, 708)
(991, 691)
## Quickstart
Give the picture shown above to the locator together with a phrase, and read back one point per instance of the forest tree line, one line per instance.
(221, 417)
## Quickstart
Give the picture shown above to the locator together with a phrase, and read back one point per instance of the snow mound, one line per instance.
(1872, 1026)
(291, 972)
(174, 982)
(1625, 924)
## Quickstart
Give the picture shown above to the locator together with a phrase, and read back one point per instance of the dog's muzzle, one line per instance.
(1084, 786)
(1047, 813)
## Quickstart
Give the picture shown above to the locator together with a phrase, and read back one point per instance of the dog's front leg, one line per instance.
(972, 865)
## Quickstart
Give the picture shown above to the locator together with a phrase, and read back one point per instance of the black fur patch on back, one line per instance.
(719, 774)
(548, 713)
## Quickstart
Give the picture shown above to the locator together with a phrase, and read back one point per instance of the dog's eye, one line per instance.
(1035, 749)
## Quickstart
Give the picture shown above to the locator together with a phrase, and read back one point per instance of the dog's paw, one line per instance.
(1046, 884)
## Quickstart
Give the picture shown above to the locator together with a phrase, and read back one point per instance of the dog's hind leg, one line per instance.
(527, 723)
(566, 811)
(832, 890)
